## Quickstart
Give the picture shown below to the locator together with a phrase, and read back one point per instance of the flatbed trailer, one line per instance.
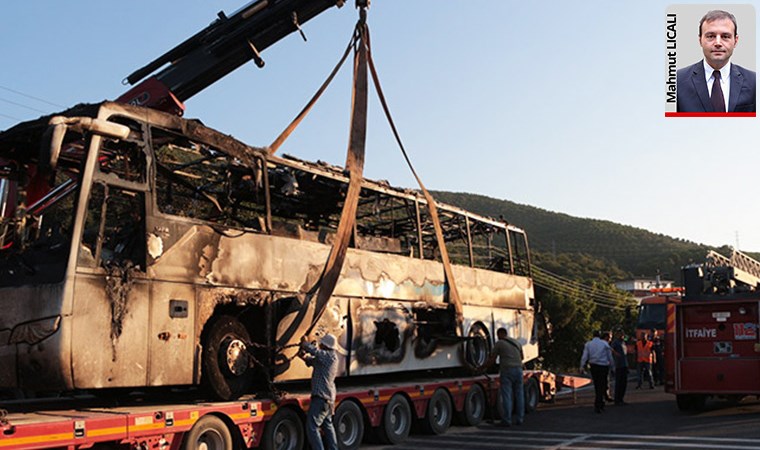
(386, 410)
(389, 410)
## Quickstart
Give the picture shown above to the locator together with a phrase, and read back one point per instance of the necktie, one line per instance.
(716, 95)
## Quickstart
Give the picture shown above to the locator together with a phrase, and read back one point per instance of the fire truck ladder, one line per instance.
(745, 263)
(743, 268)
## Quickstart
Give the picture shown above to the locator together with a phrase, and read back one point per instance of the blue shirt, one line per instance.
(325, 363)
(620, 359)
(597, 352)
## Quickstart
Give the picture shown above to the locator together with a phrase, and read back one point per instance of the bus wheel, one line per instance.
(474, 407)
(438, 415)
(477, 347)
(284, 431)
(349, 425)
(226, 362)
(397, 421)
(531, 395)
(209, 432)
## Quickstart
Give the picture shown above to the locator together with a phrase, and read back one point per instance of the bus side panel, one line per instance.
(30, 362)
(493, 289)
(171, 337)
(386, 339)
(109, 350)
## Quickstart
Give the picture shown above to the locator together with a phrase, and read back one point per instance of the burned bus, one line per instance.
(141, 249)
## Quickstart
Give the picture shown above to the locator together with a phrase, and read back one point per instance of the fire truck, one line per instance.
(712, 347)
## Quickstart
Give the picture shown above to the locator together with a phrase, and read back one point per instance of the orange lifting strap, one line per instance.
(324, 287)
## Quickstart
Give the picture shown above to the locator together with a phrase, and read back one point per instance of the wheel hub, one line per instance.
(237, 357)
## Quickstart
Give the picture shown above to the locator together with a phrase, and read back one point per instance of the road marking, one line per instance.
(571, 442)
(499, 438)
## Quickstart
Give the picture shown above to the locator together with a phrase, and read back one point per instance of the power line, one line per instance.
(22, 105)
(599, 304)
(577, 284)
(564, 291)
(573, 296)
(571, 288)
(31, 96)
(10, 117)
(575, 290)
(569, 292)
(581, 287)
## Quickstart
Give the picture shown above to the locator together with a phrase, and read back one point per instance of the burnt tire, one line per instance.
(532, 395)
(438, 413)
(349, 425)
(397, 421)
(477, 348)
(227, 366)
(285, 431)
(209, 432)
(474, 409)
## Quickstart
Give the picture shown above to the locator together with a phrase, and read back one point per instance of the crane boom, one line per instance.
(212, 53)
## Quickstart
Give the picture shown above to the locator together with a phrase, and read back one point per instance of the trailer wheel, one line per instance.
(474, 407)
(438, 414)
(531, 395)
(349, 425)
(397, 421)
(284, 431)
(209, 433)
(477, 347)
(226, 363)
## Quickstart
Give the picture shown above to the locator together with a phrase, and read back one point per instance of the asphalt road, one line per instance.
(650, 421)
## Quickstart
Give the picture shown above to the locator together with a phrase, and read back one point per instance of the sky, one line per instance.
(558, 105)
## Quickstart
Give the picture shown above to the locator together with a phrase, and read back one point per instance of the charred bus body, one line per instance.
(142, 249)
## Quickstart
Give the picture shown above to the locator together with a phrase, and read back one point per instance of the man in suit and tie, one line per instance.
(715, 84)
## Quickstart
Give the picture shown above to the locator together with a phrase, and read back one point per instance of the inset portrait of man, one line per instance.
(715, 84)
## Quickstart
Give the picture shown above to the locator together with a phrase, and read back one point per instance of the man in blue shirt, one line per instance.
(598, 354)
(325, 364)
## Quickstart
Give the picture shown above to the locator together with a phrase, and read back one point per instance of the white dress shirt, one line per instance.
(597, 352)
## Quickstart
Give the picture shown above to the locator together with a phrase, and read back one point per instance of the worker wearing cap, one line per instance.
(325, 363)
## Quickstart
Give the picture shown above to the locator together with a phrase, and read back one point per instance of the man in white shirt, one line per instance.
(598, 354)
(715, 84)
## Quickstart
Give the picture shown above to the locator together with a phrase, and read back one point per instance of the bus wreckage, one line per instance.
(138, 248)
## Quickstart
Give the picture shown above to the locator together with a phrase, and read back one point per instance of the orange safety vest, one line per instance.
(644, 351)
